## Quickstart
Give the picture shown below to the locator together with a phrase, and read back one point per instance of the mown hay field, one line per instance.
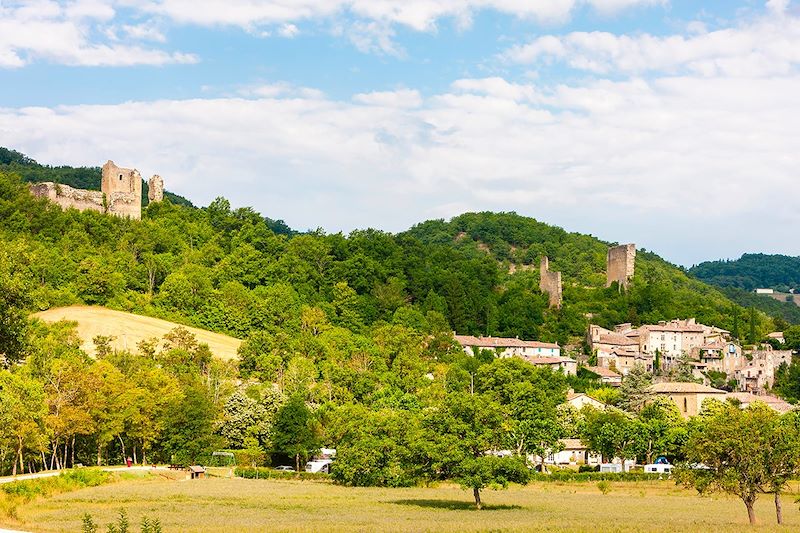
(233, 505)
(128, 329)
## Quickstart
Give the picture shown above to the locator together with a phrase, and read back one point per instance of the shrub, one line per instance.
(269, 473)
(604, 486)
(573, 476)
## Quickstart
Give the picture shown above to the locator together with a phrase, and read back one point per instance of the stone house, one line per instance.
(689, 397)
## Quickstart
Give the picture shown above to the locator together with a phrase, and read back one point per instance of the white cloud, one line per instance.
(663, 162)
(289, 31)
(71, 33)
(93, 32)
(403, 98)
(763, 46)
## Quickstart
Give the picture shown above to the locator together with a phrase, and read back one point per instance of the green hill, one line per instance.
(752, 271)
(737, 279)
(228, 271)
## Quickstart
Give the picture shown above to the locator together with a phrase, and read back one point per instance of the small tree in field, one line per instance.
(460, 434)
(730, 443)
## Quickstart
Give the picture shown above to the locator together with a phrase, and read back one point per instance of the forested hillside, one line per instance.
(752, 271)
(225, 270)
(347, 339)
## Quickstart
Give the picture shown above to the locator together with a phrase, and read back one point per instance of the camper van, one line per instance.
(319, 466)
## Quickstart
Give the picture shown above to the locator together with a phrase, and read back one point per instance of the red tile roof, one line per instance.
(502, 342)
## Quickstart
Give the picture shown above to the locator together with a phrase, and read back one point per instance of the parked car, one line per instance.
(285, 468)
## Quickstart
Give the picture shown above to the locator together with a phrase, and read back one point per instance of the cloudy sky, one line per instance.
(674, 124)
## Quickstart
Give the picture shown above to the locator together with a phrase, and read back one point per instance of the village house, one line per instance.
(508, 347)
(759, 374)
(746, 399)
(535, 352)
(574, 452)
(689, 397)
(579, 400)
(607, 376)
(778, 336)
(626, 346)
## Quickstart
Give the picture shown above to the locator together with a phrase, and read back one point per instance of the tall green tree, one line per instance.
(293, 432)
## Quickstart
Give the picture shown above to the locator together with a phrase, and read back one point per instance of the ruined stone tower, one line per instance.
(620, 263)
(550, 283)
(155, 189)
(122, 188)
(120, 193)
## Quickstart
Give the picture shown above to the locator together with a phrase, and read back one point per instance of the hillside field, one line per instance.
(128, 329)
(233, 505)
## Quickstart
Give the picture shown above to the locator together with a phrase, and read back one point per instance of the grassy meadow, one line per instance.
(230, 505)
(129, 329)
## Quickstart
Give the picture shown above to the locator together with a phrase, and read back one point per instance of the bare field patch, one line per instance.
(234, 505)
(128, 329)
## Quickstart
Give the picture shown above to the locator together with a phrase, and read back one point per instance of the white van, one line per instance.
(319, 466)
(658, 468)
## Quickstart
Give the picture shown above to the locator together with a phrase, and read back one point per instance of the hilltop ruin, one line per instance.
(120, 193)
(620, 265)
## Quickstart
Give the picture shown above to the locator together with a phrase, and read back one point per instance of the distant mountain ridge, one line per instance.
(752, 271)
(738, 278)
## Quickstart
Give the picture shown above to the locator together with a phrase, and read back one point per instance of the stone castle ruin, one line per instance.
(620, 263)
(550, 283)
(120, 193)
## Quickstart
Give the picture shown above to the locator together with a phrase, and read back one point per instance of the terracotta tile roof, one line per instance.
(678, 328)
(678, 387)
(748, 398)
(502, 342)
(573, 444)
(548, 360)
(619, 340)
(602, 372)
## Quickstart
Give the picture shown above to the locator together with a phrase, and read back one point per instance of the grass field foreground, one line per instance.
(233, 505)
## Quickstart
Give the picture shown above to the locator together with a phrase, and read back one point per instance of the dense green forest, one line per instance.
(752, 271)
(738, 279)
(348, 341)
(221, 269)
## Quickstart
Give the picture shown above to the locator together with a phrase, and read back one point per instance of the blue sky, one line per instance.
(668, 123)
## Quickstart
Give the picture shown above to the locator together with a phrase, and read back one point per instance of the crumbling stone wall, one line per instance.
(123, 190)
(67, 196)
(120, 193)
(155, 189)
(550, 283)
(620, 263)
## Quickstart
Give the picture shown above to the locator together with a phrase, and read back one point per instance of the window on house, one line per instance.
(120, 177)
(685, 405)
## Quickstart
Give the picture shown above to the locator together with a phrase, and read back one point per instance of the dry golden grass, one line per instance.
(234, 505)
(129, 329)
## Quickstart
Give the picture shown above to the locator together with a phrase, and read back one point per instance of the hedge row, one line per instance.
(271, 473)
(594, 476)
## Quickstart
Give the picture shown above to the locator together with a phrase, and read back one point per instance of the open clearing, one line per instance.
(217, 504)
(129, 329)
